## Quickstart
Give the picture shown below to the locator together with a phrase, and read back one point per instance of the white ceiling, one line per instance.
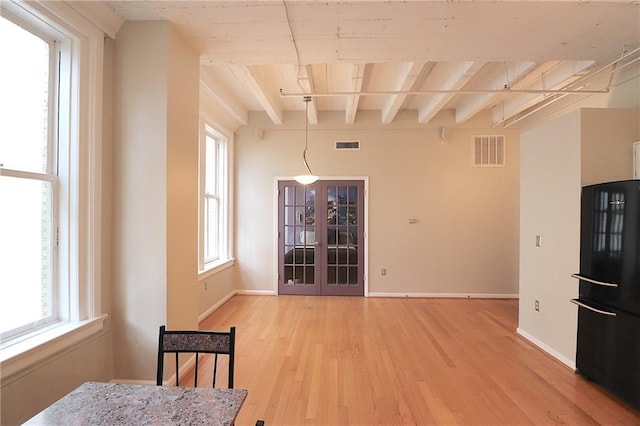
(424, 56)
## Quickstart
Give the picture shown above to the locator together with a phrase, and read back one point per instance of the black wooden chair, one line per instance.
(196, 342)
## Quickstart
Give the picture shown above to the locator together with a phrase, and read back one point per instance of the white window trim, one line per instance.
(206, 270)
(85, 200)
(215, 269)
(46, 343)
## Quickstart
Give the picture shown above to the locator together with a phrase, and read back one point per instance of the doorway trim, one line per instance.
(276, 182)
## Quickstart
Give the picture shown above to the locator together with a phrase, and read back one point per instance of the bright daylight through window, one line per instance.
(213, 210)
(28, 180)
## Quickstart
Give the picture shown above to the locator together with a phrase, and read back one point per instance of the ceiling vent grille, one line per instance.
(347, 144)
(488, 151)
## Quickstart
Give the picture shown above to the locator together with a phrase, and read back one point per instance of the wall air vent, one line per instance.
(488, 151)
(347, 144)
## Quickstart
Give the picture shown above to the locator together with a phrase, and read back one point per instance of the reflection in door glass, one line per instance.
(342, 235)
(299, 235)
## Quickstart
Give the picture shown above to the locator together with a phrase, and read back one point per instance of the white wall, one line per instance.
(139, 185)
(607, 143)
(154, 192)
(183, 66)
(557, 158)
(465, 240)
(214, 290)
(550, 207)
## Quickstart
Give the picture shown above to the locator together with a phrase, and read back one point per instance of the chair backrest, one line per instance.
(196, 342)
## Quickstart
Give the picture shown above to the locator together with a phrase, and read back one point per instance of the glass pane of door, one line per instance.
(343, 229)
(299, 236)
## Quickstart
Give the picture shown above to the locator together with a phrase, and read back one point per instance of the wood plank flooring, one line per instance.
(376, 361)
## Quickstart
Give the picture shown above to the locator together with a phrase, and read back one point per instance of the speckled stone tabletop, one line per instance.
(123, 404)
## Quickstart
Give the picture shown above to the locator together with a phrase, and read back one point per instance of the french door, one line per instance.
(320, 238)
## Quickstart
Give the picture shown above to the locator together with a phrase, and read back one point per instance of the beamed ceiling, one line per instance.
(510, 57)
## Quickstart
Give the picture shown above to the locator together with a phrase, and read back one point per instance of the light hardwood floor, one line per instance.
(376, 361)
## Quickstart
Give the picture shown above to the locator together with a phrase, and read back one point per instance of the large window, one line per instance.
(214, 223)
(50, 101)
(29, 183)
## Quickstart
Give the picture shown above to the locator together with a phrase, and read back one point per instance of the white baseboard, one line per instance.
(222, 301)
(371, 294)
(557, 355)
(257, 292)
(446, 295)
(216, 306)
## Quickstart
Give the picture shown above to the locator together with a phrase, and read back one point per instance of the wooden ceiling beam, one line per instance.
(405, 82)
(257, 84)
(221, 98)
(357, 77)
(306, 84)
(455, 80)
(548, 76)
(503, 78)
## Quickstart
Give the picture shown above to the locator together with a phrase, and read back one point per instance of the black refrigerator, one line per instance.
(608, 344)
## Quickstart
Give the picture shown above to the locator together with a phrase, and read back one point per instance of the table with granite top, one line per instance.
(96, 403)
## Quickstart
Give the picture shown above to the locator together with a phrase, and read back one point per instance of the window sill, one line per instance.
(23, 354)
(215, 268)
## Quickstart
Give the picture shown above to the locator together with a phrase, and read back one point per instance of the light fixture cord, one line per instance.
(307, 99)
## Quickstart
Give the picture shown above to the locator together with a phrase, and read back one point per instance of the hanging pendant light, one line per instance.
(310, 177)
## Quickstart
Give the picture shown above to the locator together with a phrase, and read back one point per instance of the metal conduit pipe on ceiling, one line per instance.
(480, 91)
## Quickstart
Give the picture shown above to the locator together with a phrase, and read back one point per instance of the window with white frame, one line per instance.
(214, 243)
(29, 183)
(49, 248)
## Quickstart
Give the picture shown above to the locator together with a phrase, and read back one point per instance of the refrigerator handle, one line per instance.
(599, 311)
(592, 281)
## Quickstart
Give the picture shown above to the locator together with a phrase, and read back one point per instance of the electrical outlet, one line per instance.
(537, 305)
(383, 271)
